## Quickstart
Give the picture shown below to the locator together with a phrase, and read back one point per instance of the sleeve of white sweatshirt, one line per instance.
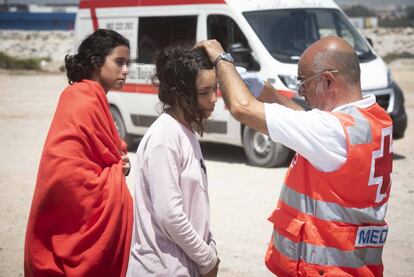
(163, 175)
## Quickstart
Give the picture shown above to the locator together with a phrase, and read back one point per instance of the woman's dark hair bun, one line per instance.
(74, 70)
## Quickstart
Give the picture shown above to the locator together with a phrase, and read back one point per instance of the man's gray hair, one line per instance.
(346, 63)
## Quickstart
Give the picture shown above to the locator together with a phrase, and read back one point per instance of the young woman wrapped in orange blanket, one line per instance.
(80, 221)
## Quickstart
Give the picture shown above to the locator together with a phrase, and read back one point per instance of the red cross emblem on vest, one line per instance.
(381, 165)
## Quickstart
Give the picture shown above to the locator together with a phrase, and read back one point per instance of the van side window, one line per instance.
(156, 33)
(226, 31)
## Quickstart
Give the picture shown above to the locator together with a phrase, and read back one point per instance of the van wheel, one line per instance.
(261, 151)
(120, 126)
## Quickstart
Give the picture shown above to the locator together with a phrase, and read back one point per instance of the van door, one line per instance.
(136, 107)
(223, 127)
(156, 33)
(259, 148)
(224, 29)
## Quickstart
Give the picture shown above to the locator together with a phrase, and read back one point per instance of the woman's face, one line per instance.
(113, 73)
(206, 85)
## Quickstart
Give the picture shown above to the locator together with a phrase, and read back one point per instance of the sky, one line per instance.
(375, 3)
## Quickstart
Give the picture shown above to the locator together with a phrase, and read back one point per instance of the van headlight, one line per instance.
(290, 81)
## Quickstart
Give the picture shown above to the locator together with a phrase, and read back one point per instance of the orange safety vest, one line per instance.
(332, 223)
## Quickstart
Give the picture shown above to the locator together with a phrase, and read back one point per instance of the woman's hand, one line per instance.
(126, 165)
(213, 272)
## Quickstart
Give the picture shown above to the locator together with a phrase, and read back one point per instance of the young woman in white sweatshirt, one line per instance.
(171, 234)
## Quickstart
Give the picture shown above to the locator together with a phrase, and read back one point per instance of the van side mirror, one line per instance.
(370, 41)
(243, 57)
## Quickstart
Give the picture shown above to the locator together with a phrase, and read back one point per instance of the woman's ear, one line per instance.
(94, 68)
(95, 63)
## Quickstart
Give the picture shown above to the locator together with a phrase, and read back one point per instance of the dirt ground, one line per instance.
(242, 196)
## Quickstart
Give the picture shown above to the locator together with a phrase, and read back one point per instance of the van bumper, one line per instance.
(398, 114)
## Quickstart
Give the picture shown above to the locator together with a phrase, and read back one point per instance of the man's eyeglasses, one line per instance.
(300, 84)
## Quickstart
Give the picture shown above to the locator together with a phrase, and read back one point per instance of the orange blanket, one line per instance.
(80, 222)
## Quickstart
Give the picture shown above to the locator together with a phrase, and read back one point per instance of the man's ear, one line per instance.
(329, 82)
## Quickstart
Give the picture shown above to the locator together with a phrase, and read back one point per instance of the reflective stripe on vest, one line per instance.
(331, 211)
(360, 131)
(327, 256)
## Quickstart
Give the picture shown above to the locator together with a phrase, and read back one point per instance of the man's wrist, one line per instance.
(224, 64)
(223, 57)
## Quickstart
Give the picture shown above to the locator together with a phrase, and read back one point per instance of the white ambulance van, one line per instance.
(264, 36)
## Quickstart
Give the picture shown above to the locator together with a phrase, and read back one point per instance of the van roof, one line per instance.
(240, 5)
(136, 3)
(250, 5)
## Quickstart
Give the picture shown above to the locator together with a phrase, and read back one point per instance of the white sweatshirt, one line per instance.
(171, 234)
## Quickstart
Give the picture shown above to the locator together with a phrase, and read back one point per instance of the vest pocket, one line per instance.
(286, 239)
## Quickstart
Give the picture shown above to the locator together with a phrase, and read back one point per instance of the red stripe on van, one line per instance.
(133, 3)
(288, 93)
(140, 88)
(148, 89)
(94, 19)
(151, 89)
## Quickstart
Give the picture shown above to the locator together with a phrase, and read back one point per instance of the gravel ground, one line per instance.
(242, 196)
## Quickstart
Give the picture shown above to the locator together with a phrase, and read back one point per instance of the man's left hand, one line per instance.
(252, 80)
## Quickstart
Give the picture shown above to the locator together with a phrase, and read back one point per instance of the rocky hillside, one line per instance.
(388, 41)
(52, 46)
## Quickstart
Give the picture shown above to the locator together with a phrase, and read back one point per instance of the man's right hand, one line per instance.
(213, 48)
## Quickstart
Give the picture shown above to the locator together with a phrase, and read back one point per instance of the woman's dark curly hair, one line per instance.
(177, 68)
(92, 53)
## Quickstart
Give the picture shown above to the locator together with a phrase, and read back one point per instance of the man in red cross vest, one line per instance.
(329, 220)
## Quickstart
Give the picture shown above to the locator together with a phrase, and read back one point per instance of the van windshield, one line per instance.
(287, 33)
